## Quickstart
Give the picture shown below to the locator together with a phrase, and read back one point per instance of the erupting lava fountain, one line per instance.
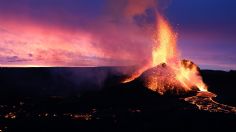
(167, 71)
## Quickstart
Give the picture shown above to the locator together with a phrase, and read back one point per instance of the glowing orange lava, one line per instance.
(179, 74)
(168, 72)
(164, 49)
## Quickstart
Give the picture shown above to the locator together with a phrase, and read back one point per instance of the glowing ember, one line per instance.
(10, 115)
(82, 117)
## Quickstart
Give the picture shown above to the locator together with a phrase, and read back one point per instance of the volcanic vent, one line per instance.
(166, 71)
(166, 65)
(162, 78)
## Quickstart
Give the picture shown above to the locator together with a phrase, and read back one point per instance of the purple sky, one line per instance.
(112, 32)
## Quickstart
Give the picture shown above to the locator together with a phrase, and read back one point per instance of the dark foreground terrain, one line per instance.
(92, 99)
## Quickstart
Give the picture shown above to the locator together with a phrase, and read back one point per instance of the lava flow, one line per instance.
(204, 101)
(166, 71)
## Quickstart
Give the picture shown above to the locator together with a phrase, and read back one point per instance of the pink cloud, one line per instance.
(56, 46)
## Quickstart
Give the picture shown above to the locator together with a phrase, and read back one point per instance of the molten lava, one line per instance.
(167, 72)
(164, 49)
(204, 101)
(179, 75)
(164, 77)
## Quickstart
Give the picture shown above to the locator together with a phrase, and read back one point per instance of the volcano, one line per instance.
(162, 78)
(166, 72)
(173, 72)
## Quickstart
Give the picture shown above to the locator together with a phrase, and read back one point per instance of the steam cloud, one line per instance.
(121, 36)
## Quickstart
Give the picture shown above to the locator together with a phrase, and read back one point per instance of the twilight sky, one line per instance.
(113, 32)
